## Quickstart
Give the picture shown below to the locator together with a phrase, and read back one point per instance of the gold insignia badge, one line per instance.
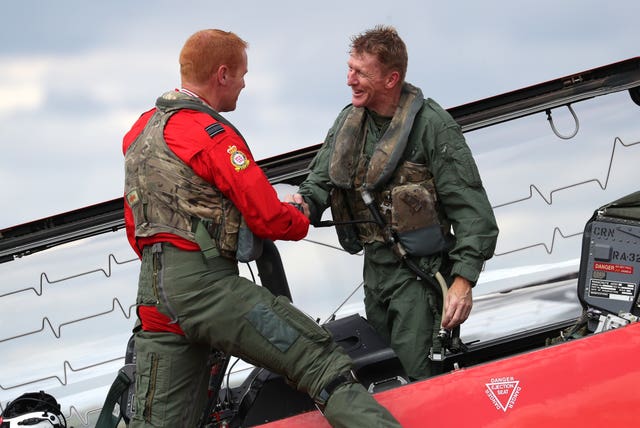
(238, 159)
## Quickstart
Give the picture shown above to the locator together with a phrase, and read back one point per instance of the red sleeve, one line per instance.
(130, 228)
(225, 161)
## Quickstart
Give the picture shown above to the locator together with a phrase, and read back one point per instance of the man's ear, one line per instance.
(392, 79)
(222, 74)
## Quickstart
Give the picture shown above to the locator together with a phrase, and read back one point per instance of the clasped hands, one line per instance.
(298, 199)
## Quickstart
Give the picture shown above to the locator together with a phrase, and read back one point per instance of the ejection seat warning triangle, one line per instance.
(503, 392)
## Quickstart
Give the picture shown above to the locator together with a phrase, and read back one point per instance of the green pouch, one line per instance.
(249, 245)
(414, 219)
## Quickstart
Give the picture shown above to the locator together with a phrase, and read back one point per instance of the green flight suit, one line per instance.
(401, 307)
(219, 309)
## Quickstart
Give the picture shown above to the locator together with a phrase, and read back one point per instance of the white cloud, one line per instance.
(21, 85)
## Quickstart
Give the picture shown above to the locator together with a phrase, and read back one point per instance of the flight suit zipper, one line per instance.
(158, 282)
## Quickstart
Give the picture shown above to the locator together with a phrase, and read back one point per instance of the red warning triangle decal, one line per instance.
(503, 394)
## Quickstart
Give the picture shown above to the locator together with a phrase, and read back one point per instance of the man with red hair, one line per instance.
(191, 184)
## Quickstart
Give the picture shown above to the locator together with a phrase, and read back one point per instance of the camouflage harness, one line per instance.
(166, 196)
(403, 192)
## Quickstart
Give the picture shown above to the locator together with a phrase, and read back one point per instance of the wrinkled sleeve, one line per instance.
(235, 173)
(316, 189)
(464, 201)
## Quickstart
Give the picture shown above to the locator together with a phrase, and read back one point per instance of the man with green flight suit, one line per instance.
(402, 186)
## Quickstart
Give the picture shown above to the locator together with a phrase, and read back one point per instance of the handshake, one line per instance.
(298, 201)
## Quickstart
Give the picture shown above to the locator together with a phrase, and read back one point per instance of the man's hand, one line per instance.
(458, 303)
(298, 199)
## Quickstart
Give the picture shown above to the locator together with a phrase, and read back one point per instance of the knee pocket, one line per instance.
(281, 324)
(300, 321)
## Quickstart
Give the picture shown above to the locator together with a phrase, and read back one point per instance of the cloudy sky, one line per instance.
(74, 74)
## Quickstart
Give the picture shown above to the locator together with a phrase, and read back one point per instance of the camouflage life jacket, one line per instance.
(164, 193)
(403, 191)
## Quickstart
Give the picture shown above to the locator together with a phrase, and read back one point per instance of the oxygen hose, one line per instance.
(444, 289)
(438, 283)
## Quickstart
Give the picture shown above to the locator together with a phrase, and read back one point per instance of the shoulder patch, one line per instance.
(238, 159)
(214, 129)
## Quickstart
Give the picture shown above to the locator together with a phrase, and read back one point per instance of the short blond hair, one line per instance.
(205, 51)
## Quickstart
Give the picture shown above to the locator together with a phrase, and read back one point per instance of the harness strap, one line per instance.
(125, 378)
(203, 238)
(323, 397)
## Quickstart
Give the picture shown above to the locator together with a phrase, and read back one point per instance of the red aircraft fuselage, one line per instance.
(588, 382)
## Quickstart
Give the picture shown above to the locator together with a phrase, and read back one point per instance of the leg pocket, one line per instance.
(281, 324)
(171, 380)
(151, 375)
(272, 327)
(300, 321)
(146, 292)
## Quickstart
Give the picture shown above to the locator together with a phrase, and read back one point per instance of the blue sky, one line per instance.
(74, 75)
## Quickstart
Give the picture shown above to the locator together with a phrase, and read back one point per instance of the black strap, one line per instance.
(323, 397)
(107, 419)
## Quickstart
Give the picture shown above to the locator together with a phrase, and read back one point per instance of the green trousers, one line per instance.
(218, 309)
(404, 310)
